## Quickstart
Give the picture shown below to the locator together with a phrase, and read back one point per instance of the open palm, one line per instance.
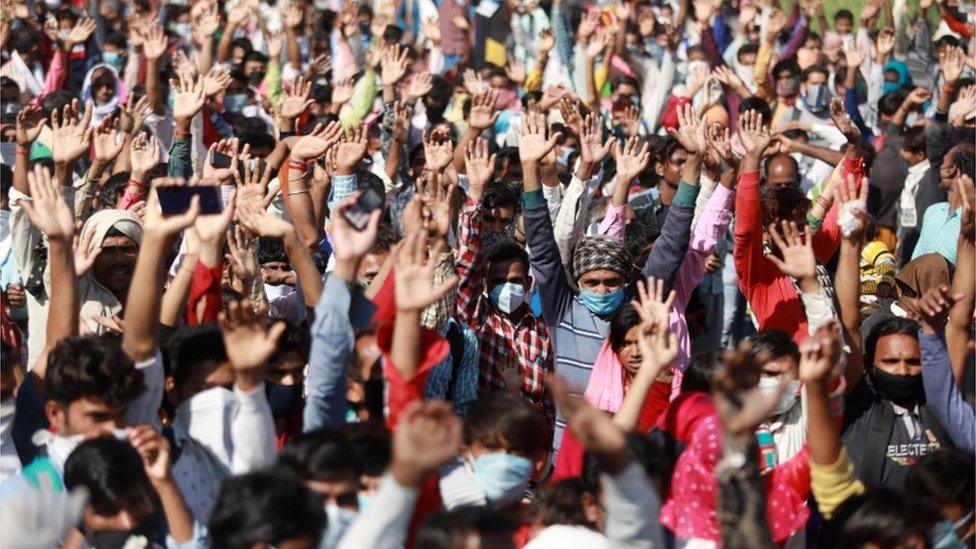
(46, 209)
(70, 138)
(415, 289)
(798, 259)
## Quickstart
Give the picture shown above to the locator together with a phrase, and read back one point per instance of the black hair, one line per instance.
(964, 158)
(259, 140)
(814, 69)
(642, 450)
(503, 251)
(190, 346)
(254, 55)
(321, 93)
(500, 195)
(505, 153)
(914, 140)
(271, 249)
(661, 149)
(22, 39)
(880, 518)
(843, 14)
(109, 469)
(624, 80)
(887, 327)
(57, 99)
(372, 441)
(296, 337)
(386, 237)
(759, 105)
(944, 478)
(561, 503)
(621, 321)
(118, 40)
(450, 529)
(783, 203)
(773, 345)
(701, 370)
(529, 97)
(321, 455)
(946, 40)
(746, 49)
(6, 179)
(113, 189)
(392, 34)
(503, 418)
(268, 506)
(789, 65)
(890, 102)
(639, 235)
(91, 366)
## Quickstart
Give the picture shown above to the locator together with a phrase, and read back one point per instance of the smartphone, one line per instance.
(176, 200)
(358, 214)
(220, 160)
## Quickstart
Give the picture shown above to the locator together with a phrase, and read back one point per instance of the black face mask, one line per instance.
(255, 78)
(284, 399)
(898, 389)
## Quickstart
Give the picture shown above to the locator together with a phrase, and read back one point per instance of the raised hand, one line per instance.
(570, 111)
(291, 16)
(630, 121)
(531, 136)
(189, 96)
(691, 131)
(242, 255)
(79, 33)
(967, 195)
(351, 245)
(320, 65)
(70, 137)
(775, 23)
(107, 142)
(314, 144)
(438, 150)
(154, 449)
(30, 122)
(919, 95)
(587, 25)
(46, 209)
(133, 114)
(870, 10)
(843, 120)
(632, 158)
(254, 215)
(211, 227)
(351, 150)
(414, 272)
(228, 147)
(253, 189)
(515, 70)
(719, 141)
(855, 58)
(207, 22)
(592, 148)
(274, 43)
(249, 341)
(473, 82)
(952, 64)
(400, 131)
(420, 86)
(297, 101)
(216, 81)
(154, 43)
(144, 154)
(479, 167)
(547, 41)
(796, 248)
(851, 201)
(934, 307)
(483, 115)
(740, 403)
(427, 436)
(393, 63)
(754, 135)
(342, 91)
(885, 42)
(651, 304)
(819, 354)
(437, 197)
(657, 343)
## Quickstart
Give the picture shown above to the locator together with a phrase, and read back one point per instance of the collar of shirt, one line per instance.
(918, 170)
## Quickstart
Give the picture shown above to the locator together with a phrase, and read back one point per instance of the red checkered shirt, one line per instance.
(502, 339)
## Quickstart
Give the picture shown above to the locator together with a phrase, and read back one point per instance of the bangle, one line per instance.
(948, 89)
(181, 134)
(299, 191)
(824, 203)
(296, 164)
(23, 151)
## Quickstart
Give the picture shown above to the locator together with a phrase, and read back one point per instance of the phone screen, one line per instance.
(176, 200)
(358, 214)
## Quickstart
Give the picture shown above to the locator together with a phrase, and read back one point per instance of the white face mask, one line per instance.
(338, 520)
(769, 385)
(206, 418)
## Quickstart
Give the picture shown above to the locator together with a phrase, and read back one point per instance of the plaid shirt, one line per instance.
(502, 339)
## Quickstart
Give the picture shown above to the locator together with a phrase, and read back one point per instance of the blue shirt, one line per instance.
(940, 232)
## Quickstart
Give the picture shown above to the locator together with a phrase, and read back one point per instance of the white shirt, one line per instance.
(907, 216)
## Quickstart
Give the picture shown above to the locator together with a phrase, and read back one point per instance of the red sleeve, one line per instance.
(747, 253)
(569, 460)
(134, 192)
(955, 25)
(656, 402)
(795, 473)
(400, 391)
(205, 286)
(827, 239)
(384, 300)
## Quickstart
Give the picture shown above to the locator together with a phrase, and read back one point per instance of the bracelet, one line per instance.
(181, 134)
(134, 183)
(948, 89)
(294, 164)
(824, 203)
(299, 191)
(23, 151)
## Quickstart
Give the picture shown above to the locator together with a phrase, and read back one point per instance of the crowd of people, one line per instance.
(496, 273)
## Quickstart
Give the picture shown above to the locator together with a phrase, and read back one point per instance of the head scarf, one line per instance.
(96, 300)
(904, 77)
(600, 252)
(101, 111)
(924, 272)
(605, 391)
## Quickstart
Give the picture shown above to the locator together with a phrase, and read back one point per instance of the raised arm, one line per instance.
(847, 285)
(963, 281)
(748, 251)
(480, 169)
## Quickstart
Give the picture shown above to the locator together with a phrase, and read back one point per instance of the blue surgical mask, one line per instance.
(503, 477)
(508, 296)
(183, 30)
(365, 501)
(562, 159)
(944, 534)
(816, 98)
(235, 102)
(114, 58)
(337, 521)
(602, 304)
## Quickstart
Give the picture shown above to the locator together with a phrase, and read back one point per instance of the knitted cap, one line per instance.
(600, 252)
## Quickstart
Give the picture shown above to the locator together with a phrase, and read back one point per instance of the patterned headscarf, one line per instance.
(600, 252)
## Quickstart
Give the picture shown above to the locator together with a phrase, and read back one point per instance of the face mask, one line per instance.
(8, 410)
(769, 385)
(890, 87)
(816, 98)
(897, 389)
(503, 477)
(255, 78)
(944, 536)
(337, 522)
(114, 58)
(284, 399)
(788, 87)
(365, 501)
(183, 30)
(11, 107)
(235, 102)
(602, 304)
(508, 296)
(206, 418)
(562, 159)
